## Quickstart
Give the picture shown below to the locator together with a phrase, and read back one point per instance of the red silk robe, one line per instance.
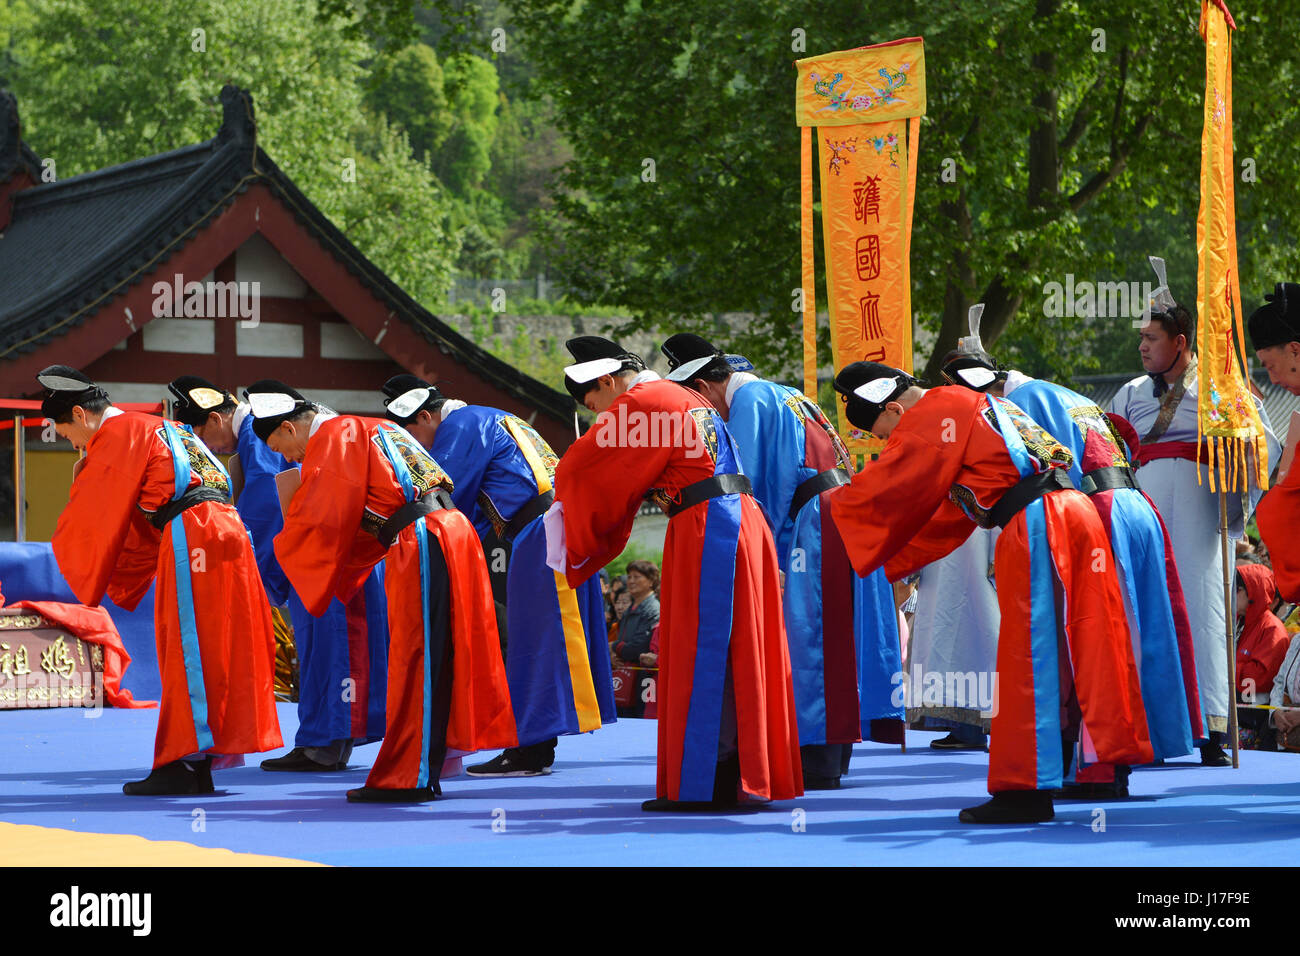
(325, 549)
(601, 483)
(104, 544)
(1278, 519)
(897, 512)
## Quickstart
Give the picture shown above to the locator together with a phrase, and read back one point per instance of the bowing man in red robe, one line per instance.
(726, 702)
(956, 458)
(150, 501)
(370, 493)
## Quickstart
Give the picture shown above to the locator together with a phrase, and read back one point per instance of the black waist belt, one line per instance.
(1106, 479)
(412, 512)
(814, 486)
(534, 508)
(1028, 490)
(715, 487)
(163, 516)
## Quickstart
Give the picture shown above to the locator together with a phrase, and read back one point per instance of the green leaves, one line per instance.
(105, 82)
(717, 230)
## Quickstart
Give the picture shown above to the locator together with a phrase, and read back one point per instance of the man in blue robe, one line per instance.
(842, 629)
(343, 654)
(557, 647)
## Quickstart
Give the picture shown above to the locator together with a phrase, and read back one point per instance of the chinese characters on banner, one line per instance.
(863, 107)
(1229, 421)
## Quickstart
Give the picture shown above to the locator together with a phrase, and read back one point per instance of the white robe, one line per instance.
(954, 632)
(1191, 513)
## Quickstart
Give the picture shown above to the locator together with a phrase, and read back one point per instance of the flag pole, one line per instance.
(1229, 622)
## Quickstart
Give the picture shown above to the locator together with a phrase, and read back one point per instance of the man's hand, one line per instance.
(649, 660)
(1286, 720)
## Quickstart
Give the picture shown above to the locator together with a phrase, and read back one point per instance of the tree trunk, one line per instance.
(1043, 190)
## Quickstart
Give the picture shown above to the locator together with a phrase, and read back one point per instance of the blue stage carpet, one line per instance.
(59, 769)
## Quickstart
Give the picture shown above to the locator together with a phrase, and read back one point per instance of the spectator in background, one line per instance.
(1262, 644)
(638, 622)
(612, 613)
(650, 659)
(1263, 640)
(1285, 693)
(621, 605)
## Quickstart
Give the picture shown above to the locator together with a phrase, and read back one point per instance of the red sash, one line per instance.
(1168, 449)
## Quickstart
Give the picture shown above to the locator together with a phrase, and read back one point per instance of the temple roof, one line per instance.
(72, 247)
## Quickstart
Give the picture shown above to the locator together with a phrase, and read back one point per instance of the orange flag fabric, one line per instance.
(1229, 421)
(863, 107)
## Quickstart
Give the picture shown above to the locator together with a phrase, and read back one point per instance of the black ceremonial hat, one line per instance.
(868, 388)
(408, 395)
(1277, 321)
(271, 403)
(688, 355)
(595, 356)
(196, 398)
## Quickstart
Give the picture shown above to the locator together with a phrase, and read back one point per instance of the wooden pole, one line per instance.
(1229, 570)
(20, 481)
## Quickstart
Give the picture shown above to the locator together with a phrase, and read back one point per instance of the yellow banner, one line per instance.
(872, 84)
(866, 106)
(1229, 421)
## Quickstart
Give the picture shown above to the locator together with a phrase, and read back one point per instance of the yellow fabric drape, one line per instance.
(809, 280)
(1228, 419)
(865, 105)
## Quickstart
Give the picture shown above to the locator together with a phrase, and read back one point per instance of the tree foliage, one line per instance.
(101, 82)
(1072, 156)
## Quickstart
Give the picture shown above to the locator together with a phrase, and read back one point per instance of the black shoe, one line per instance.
(297, 761)
(726, 782)
(726, 779)
(953, 742)
(662, 805)
(175, 778)
(378, 795)
(1012, 806)
(535, 755)
(1212, 755)
(508, 764)
(205, 776)
(1092, 791)
(813, 782)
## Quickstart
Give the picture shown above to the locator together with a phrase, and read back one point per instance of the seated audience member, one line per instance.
(636, 625)
(650, 681)
(1286, 693)
(620, 607)
(1261, 645)
(617, 586)
(1262, 641)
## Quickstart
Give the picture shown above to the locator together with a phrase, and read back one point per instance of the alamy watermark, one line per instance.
(1102, 300)
(208, 300)
(128, 910)
(967, 690)
(638, 429)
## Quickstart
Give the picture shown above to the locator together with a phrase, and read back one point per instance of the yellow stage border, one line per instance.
(27, 845)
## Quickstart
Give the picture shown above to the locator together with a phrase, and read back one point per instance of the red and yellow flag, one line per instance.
(864, 107)
(1229, 421)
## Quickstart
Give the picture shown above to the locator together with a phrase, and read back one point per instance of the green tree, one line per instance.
(108, 81)
(407, 87)
(1068, 124)
(471, 90)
